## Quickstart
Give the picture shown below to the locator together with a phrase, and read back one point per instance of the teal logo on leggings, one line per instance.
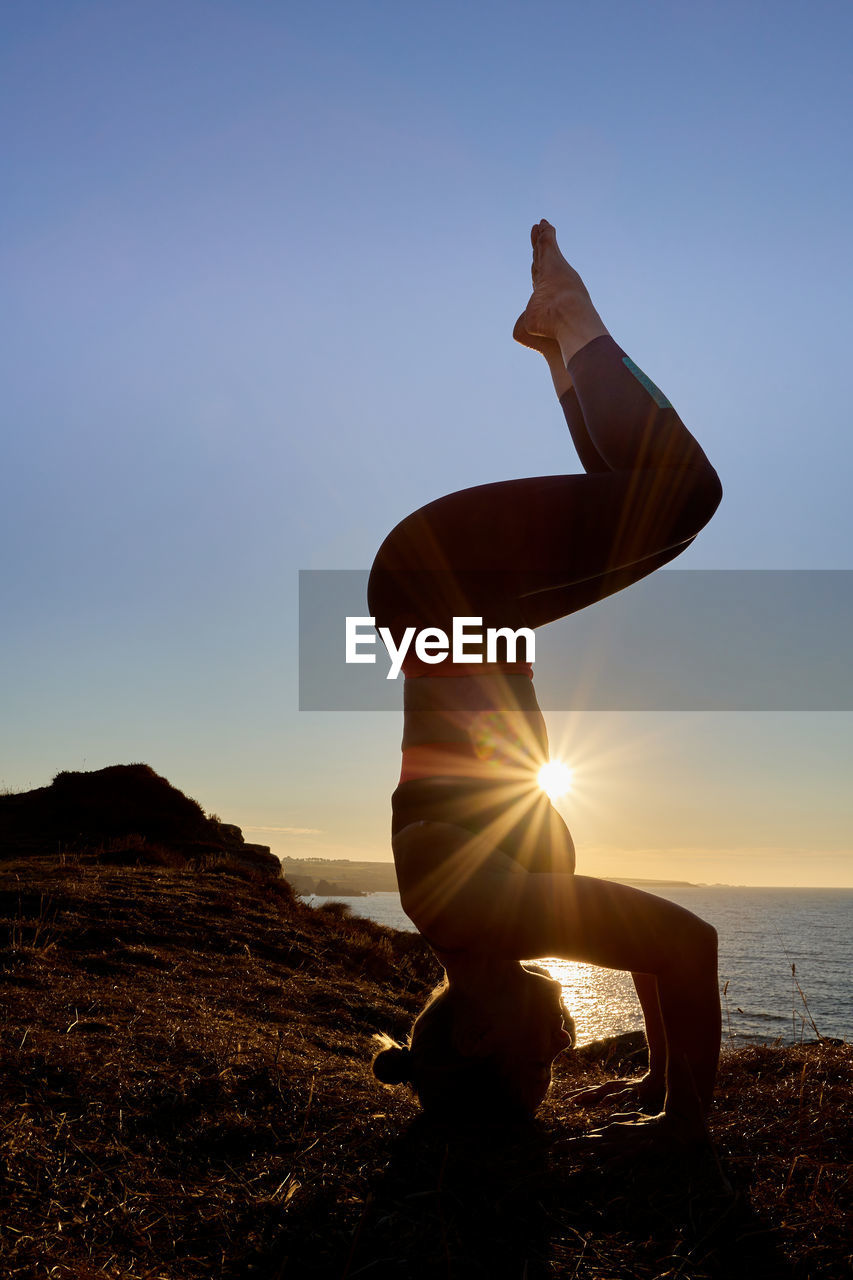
(655, 392)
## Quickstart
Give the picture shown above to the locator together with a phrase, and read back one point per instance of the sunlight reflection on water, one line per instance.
(602, 1002)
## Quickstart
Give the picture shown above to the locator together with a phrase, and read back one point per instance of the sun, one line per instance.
(555, 779)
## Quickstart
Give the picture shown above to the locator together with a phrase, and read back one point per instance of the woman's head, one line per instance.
(534, 1028)
(482, 1052)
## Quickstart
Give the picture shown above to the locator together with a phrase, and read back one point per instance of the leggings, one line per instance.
(527, 552)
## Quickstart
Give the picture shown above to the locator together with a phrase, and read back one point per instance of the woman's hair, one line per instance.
(445, 1080)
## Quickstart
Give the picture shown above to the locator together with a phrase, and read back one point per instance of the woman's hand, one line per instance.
(645, 1096)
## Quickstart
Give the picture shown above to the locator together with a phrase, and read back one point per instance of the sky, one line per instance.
(261, 264)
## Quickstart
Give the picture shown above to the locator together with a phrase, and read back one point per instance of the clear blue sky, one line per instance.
(261, 262)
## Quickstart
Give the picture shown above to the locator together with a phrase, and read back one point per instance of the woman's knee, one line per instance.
(705, 493)
(707, 942)
(693, 947)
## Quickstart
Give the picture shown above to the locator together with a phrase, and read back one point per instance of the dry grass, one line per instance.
(185, 1094)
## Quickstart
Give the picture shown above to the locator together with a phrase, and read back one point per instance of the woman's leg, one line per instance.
(490, 551)
(591, 460)
(525, 552)
(559, 602)
(618, 927)
(469, 899)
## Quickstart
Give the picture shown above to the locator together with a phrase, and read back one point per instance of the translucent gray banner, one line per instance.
(682, 640)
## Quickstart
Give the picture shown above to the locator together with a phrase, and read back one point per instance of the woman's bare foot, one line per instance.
(560, 307)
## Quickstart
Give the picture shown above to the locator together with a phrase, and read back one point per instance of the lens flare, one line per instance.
(555, 779)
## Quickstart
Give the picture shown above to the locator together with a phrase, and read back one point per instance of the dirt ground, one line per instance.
(186, 1093)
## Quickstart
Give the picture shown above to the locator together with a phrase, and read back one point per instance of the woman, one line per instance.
(485, 864)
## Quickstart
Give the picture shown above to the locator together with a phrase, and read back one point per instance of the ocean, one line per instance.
(764, 934)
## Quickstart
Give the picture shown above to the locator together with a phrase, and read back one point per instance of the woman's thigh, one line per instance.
(597, 922)
(482, 550)
(463, 893)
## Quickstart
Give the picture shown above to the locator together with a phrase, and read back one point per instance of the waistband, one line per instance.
(415, 669)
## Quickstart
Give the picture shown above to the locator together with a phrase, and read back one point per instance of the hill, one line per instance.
(186, 1094)
(125, 814)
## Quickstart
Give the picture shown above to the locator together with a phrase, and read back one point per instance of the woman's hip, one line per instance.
(518, 820)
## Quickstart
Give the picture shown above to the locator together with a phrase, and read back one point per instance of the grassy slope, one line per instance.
(185, 1094)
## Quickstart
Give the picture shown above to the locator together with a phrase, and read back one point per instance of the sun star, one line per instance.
(555, 778)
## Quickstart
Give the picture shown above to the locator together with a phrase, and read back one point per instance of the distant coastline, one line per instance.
(346, 878)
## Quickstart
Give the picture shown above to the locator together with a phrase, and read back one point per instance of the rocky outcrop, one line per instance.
(123, 813)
